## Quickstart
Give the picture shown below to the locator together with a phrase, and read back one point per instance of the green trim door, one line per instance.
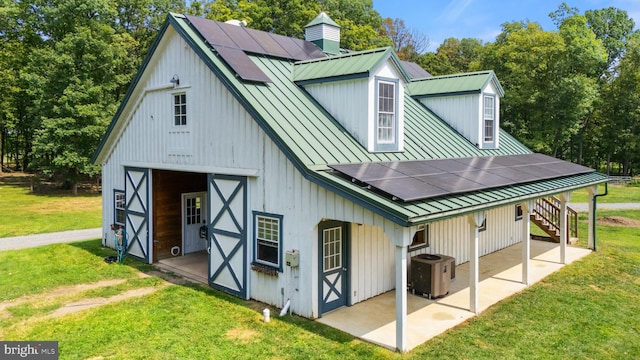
(333, 238)
(228, 234)
(136, 188)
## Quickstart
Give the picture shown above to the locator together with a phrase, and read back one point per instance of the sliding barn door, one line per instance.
(228, 234)
(137, 212)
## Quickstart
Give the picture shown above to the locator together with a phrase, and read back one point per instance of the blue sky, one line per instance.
(481, 19)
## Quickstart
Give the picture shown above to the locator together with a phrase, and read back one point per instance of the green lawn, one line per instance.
(24, 213)
(617, 194)
(587, 310)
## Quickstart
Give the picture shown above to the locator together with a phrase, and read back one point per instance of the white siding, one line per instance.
(451, 237)
(322, 31)
(352, 103)
(348, 103)
(461, 112)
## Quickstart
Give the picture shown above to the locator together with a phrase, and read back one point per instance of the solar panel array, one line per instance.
(233, 43)
(423, 179)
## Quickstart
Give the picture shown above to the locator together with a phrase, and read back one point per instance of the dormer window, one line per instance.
(387, 124)
(489, 118)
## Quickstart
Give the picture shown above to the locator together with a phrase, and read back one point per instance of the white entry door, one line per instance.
(194, 216)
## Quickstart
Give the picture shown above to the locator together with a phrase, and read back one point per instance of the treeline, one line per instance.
(572, 92)
(65, 66)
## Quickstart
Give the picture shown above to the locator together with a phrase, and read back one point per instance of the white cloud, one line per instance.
(453, 11)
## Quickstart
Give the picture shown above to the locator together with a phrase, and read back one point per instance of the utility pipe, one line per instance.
(285, 308)
(606, 192)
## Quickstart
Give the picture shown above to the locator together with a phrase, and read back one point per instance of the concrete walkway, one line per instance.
(28, 241)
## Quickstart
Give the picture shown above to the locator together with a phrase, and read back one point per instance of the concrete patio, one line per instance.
(192, 266)
(500, 277)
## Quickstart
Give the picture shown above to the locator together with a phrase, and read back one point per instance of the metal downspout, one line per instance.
(606, 192)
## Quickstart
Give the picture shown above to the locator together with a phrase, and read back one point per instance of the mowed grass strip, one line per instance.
(25, 213)
(617, 194)
(586, 310)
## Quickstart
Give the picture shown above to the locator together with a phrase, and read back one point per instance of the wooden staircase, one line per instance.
(546, 215)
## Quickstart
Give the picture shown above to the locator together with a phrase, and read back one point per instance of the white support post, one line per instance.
(593, 191)
(401, 298)
(475, 220)
(527, 209)
(564, 198)
(402, 237)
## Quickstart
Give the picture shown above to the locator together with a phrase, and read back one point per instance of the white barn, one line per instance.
(317, 175)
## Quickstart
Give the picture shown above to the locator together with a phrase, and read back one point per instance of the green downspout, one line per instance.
(606, 191)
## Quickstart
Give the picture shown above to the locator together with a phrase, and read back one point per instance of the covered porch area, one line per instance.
(500, 276)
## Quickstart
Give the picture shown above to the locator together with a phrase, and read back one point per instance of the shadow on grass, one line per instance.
(48, 189)
(95, 247)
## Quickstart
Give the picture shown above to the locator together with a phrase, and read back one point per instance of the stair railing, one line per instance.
(548, 209)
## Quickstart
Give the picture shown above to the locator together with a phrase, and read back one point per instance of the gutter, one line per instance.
(595, 197)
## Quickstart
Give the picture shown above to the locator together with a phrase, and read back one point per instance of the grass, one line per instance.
(587, 310)
(617, 194)
(25, 213)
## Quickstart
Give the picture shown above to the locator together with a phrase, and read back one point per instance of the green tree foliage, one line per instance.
(68, 63)
(550, 79)
(453, 56)
(359, 23)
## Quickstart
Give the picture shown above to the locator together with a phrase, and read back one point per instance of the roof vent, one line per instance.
(324, 32)
(242, 23)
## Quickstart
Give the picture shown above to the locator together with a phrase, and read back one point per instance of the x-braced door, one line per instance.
(228, 234)
(137, 212)
(333, 274)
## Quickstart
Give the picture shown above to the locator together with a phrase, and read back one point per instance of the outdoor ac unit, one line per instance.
(431, 275)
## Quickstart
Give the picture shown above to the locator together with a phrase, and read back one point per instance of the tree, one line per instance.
(408, 43)
(550, 79)
(359, 22)
(613, 27)
(69, 64)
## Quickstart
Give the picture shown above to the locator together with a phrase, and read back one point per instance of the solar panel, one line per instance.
(242, 38)
(232, 42)
(241, 64)
(270, 46)
(416, 180)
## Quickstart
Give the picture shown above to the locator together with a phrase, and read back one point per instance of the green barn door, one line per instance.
(137, 212)
(228, 234)
(334, 284)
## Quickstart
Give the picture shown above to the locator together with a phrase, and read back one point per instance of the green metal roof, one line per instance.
(311, 138)
(429, 210)
(347, 66)
(454, 84)
(322, 18)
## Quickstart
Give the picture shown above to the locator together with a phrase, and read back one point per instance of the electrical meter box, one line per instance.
(292, 258)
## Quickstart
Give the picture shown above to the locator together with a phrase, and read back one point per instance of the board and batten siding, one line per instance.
(282, 190)
(347, 102)
(217, 129)
(451, 237)
(461, 112)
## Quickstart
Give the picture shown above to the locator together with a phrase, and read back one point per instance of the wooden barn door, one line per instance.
(137, 212)
(228, 234)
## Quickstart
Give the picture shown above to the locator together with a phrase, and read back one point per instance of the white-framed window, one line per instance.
(386, 128)
(119, 207)
(180, 109)
(518, 212)
(489, 116)
(420, 238)
(193, 207)
(268, 232)
(483, 226)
